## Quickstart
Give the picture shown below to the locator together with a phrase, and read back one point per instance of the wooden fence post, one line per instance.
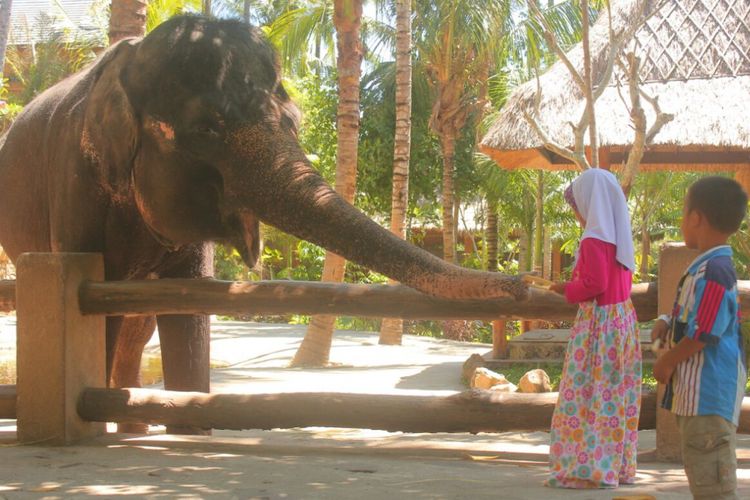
(59, 351)
(499, 340)
(673, 261)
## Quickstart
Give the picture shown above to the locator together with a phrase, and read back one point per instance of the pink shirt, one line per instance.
(598, 276)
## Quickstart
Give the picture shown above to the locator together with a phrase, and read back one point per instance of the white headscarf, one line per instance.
(601, 202)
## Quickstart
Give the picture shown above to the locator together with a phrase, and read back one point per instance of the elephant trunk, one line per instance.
(297, 200)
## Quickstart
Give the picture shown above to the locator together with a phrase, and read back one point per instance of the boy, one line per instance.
(704, 365)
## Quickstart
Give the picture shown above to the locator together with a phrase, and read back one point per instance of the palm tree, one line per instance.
(304, 35)
(347, 18)
(391, 329)
(127, 19)
(457, 42)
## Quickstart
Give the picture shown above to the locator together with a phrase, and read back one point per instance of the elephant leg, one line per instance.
(185, 339)
(185, 358)
(126, 338)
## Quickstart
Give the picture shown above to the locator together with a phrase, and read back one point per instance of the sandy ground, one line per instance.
(316, 462)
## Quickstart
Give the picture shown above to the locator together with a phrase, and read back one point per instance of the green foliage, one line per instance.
(159, 11)
(8, 110)
(228, 265)
(52, 57)
(310, 260)
(318, 100)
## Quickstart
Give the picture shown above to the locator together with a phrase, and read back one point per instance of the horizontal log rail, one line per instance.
(170, 296)
(8, 401)
(470, 411)
(301, 297)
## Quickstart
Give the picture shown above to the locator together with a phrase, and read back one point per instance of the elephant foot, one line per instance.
(188, 430)
(132, 428)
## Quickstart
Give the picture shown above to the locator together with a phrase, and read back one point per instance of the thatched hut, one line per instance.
(695, 57)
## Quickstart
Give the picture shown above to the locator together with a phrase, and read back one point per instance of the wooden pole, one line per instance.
(177, 296)
(8, 401)
(470, 411)
(7, 295)
(742, 176)
(499, 340)
(673, 260)
(59, 351)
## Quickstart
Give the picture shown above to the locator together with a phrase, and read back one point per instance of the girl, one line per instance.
(595, 424)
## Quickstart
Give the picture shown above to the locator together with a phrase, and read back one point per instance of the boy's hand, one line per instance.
(660, 331)
(663, 369)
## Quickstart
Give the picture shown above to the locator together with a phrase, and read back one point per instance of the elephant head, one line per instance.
(193, 123)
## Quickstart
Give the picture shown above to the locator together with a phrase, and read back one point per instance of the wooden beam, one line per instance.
(7, 295)
(470, 411)
(8, 401)
(301, 297)
(173, 296)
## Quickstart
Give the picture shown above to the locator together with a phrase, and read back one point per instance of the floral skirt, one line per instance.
(594, 432)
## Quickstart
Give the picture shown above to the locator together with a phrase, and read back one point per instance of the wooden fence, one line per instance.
(61, 302)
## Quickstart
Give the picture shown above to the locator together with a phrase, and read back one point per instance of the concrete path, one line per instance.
(316, 462)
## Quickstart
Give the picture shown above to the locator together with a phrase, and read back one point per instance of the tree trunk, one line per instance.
(499, 338)
(392, 329)
(645, 249)
(547, 268)
(5, 10)
(491, 235)
(539, 224)
(523, 251)
(588, 83)
(448, 142)
(206, 7)
(316, 346)
(246, 11)
(127, 19)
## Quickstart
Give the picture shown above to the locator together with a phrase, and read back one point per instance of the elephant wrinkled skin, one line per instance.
(167, 143)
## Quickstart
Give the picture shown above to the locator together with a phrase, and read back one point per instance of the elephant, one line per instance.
(166, 144)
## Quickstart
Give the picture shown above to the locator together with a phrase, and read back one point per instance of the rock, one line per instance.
(471, 364)
(535, 381)
(485, 378)
(506, 387)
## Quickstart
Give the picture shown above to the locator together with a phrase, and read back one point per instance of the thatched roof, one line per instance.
(34, 21)
(695, 58)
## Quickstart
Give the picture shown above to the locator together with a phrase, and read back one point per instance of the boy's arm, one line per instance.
(706, 325)
(667, 362)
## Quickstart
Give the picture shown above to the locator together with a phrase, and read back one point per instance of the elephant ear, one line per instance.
(110, 129)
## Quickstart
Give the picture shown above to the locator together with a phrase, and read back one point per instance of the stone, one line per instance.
(484, 378)
(535, 381)
(506, 387)
(467, 372)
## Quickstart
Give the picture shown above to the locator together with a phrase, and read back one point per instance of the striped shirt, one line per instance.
(711, 382)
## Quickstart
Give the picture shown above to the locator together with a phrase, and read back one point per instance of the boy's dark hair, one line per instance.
(721, 200)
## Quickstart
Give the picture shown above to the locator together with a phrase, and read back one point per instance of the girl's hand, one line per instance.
(558, 288)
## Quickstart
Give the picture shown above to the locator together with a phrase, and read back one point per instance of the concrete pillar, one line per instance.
(673, 261)
(59, 351)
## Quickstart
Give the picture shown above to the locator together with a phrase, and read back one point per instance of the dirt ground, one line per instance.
(316, 462)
